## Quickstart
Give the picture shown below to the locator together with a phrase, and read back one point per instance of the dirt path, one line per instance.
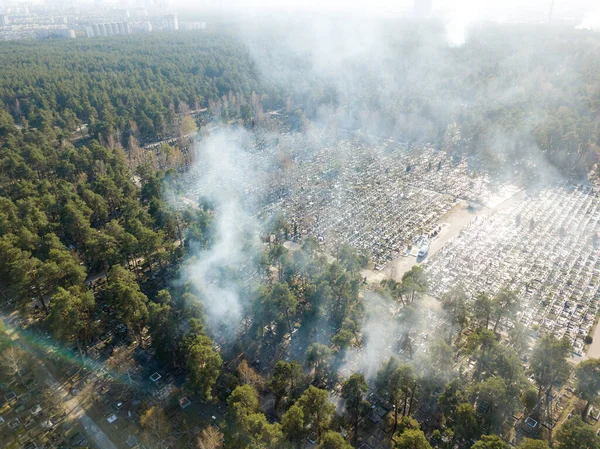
(593, 351)
(73, 405)
(93, 432)
(452, 223)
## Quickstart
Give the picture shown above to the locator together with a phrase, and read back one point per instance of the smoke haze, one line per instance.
(590, 21)
(414, 82)
(215, 272)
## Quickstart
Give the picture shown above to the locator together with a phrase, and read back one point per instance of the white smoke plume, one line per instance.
(457, 28)
(380, 332)
(218, 177)
(590, 22)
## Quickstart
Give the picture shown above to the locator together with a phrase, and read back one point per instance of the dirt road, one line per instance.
(452, 224)
(593, 351)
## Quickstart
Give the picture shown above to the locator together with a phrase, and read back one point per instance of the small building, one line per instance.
(184, 402)
(172, 22)
(132, 441)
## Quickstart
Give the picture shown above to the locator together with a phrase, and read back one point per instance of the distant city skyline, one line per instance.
(494, 9)
(388, 5)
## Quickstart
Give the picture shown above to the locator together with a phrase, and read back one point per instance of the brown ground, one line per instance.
(452, 224)
(593, 350)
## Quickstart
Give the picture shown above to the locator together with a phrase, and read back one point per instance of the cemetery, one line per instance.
(545, 248)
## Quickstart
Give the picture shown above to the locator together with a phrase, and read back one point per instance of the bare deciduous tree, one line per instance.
(210, 438)
(248, 376)
(156, 426)
(14, 362)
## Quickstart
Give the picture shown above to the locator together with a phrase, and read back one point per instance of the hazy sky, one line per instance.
(393, 6)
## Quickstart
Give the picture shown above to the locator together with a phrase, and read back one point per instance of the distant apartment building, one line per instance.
(124, 13)
(172, 22)
(193, 25)
(33, 31)
(107, 29)
(4, 20)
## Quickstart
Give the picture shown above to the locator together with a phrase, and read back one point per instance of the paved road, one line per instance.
(93, 433)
